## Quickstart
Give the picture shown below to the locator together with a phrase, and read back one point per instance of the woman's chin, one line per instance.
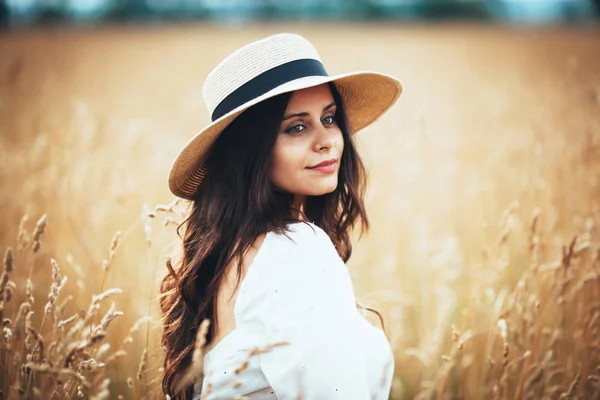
(320, 190)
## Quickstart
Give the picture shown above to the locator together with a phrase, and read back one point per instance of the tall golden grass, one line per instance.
(484, 200)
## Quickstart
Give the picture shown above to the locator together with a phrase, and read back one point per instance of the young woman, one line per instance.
(275, 185)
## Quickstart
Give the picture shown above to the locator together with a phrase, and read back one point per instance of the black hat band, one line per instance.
(267, 81)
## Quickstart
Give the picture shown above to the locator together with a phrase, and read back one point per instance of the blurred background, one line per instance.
(484, 193)
(28, 11)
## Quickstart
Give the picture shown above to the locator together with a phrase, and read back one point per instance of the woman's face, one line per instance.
(308, 135)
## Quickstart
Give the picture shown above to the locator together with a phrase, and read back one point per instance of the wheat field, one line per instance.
(484, 201)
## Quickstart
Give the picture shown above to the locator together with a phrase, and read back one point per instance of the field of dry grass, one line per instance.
(484, 199)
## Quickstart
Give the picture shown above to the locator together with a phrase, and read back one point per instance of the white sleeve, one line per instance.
(312, 306)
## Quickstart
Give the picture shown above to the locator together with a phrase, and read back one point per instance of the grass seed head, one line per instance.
(29, 291)
(40, 227)
(8, 260)
(108, 318)
(241, 367)
(22, 238)
(107, 293)
(143, 365)
(67, 321)
(114, 244)
(24, 310)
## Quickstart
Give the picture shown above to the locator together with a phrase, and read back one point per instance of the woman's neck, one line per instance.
(297, 206)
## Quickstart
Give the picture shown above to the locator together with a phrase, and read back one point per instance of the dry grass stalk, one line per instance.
(58, 282)
(8, 262)
(169, 207)
(9, 290)
(66, 372)
(569, 394)
(102, 296)
(112, 251)
(508, 218)
(65, 360)
(38, 346)
(29, 291)
(107, 263)
(102, 390)
(143, 364)
(147, 224)
(242, 367)
(535, 241)
(40, 227)
(551, 317)
(260, 350)
(134, 328)
(104, 347)
(63, 304)
(114, 356)
(108, 318)
(67, 321)
(91, 365)
(58, 367)
(208, 386)
(22, 237)
(534, 378)
(197, 364)
(19, 329)
(170, 221)
(5, 290)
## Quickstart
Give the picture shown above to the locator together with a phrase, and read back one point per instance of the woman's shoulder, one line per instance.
(304, 246)
(302, 240)
(288, 246)
(302, 234)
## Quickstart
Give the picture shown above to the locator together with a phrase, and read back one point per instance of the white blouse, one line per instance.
(298, 293)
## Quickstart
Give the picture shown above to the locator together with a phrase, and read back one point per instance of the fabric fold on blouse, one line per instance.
(296, 306)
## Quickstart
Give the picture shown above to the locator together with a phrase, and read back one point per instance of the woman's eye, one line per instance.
(329, 120)
(295, 128)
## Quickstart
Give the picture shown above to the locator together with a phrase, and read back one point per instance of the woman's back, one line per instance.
(227, 294)
(298, 332)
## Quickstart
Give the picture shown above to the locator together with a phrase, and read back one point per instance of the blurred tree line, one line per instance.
(40, 11)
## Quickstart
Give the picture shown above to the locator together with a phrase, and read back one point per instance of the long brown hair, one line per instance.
(234, 204)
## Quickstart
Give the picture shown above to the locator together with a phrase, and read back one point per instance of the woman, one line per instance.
(275, 185)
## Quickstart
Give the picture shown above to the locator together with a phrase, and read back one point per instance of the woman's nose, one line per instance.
(325, 139)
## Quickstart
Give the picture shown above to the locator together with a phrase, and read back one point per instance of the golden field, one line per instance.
(484, 200)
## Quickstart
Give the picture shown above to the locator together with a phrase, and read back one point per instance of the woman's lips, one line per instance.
(327, 168)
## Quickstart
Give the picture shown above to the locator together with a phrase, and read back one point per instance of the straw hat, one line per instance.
(264, 69)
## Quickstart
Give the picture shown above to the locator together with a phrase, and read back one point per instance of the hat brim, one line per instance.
(366, 96)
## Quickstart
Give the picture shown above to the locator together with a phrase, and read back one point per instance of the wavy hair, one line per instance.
(234, 204)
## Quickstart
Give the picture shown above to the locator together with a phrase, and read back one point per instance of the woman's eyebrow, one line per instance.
(328, 107)
(305, 114)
